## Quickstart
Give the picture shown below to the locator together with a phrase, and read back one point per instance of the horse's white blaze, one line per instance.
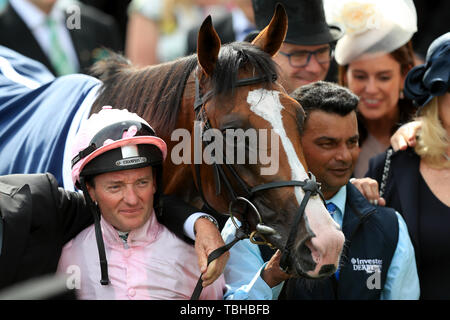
(267, 105)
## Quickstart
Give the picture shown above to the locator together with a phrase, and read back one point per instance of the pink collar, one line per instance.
(139, 237)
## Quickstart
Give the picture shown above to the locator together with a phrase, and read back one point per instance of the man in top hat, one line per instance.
(307, 51)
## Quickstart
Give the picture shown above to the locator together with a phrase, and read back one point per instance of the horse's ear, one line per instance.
(272, 36)
(208, 46)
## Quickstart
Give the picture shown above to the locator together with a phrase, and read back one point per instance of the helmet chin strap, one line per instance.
(98, 233)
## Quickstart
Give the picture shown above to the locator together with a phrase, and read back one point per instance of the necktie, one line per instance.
(331, 207)
(58, 57)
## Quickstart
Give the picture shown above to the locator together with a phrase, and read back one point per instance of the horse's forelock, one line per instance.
(235, 56)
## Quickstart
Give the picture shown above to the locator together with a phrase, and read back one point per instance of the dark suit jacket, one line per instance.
(370, 231)
(97, 30)
(39, 218)
(402, 188)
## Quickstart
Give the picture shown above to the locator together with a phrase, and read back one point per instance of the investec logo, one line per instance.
(368, 265)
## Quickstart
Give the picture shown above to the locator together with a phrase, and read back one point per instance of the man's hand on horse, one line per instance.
(272, 273)
(369, 189)
(207, 240)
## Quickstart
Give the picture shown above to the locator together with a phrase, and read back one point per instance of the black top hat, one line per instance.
(306, 21)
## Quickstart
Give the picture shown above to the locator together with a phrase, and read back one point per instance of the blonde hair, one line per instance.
(432, 140)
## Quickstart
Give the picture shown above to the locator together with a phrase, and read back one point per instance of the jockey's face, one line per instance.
(125, 198)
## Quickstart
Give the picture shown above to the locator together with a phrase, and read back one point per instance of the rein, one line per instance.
(309, 186)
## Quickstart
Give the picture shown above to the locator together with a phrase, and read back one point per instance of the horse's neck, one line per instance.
(178, 179)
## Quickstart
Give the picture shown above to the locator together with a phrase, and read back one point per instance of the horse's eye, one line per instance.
(228, 129)
(231, 121)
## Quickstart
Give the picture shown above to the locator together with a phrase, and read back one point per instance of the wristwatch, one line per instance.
(210, 218)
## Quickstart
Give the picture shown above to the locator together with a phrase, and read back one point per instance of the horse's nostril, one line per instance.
(305, 257)
(327, 269)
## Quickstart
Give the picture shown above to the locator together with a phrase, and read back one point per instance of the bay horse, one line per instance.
(234, 87)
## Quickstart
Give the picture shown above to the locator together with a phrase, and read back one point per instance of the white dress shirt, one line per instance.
(34, 18)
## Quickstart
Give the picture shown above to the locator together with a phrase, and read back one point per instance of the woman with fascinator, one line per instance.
(374, 56)
(417, 181)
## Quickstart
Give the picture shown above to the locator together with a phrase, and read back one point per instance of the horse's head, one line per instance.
(240, 104)
(237, 95)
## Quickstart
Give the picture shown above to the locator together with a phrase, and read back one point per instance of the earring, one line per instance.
(401, 95)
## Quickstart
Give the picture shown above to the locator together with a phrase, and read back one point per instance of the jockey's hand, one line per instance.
(369, 188)
(272, 273)
(405, 136)
(208, 239)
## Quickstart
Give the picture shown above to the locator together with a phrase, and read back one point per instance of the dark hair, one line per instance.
(405, 57)
(326, 96)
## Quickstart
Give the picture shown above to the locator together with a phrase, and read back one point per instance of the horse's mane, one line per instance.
(155, 92)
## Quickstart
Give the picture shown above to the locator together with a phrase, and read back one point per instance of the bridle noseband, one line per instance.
(309, 186)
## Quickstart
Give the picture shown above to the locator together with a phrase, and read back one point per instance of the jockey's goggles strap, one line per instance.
(114, 132)
(114, 160)
(83, 153)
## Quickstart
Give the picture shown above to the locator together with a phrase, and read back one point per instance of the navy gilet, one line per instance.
(371, 235)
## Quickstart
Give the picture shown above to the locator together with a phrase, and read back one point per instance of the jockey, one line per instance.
(117, 162)
(39, 117)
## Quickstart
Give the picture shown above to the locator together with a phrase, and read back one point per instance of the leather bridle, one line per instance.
(309, 186)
